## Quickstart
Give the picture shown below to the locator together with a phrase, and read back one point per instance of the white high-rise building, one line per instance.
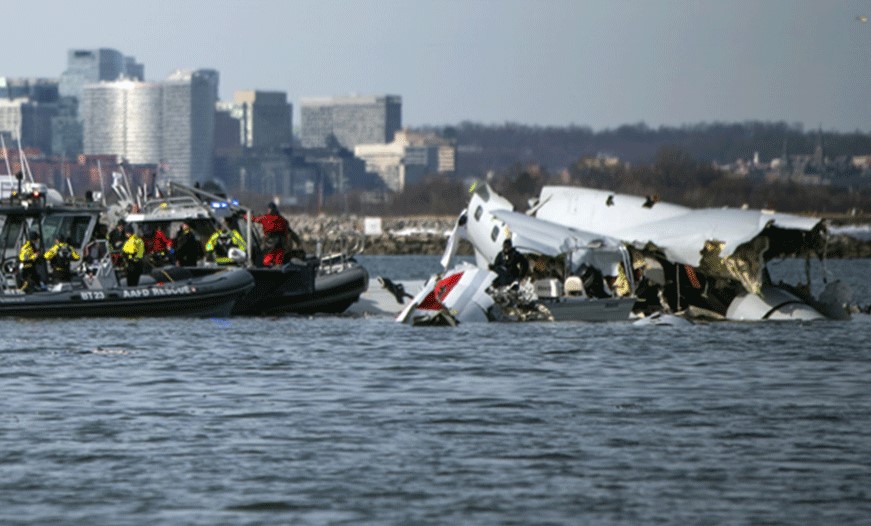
(170, 123)
(123, 118)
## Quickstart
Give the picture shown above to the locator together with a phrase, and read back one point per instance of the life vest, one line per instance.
(157, 243)
(61, 255)
(221, 242)
(134, 248)
(28, 254)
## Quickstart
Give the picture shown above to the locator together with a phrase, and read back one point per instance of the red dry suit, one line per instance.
(273, 224)
(276, 229)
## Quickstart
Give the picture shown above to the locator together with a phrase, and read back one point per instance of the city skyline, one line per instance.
(552, 63)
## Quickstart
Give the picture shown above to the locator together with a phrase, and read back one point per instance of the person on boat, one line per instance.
(618, 282)
(593, 281)
(157, 245)
(117, 238)
(187, 247)
(219, 244)
(29, 257)
(60, 256)
(277, 230)
(509, 265)
(133, 252)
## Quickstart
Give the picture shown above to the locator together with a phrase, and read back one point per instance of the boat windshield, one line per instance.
(11, 232)
(75, 227)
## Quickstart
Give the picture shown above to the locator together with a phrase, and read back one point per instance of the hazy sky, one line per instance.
(597, 63)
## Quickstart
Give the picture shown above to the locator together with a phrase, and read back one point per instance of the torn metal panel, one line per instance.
(722, 242)
(679, 231)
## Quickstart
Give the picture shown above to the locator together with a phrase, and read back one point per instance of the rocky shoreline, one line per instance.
(426, 235)
(399, 236)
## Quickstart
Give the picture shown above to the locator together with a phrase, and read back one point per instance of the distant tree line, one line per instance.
(675, 164)
(482, 147)
(677, 177)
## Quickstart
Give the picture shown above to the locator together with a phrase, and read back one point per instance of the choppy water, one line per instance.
(337, 420)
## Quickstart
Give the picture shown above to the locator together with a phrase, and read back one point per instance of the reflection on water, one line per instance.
(324, 420)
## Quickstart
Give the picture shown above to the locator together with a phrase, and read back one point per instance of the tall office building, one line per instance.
(27, 107)
(123, 118)
(189, 125)
(170, 123)
(265, 118)
(351, 120)
(87, 66)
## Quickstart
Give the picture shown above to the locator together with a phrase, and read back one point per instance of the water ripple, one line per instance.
(339, 420)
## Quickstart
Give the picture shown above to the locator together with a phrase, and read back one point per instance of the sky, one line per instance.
(594, 63)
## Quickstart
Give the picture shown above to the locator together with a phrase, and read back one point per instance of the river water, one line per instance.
(344, 420)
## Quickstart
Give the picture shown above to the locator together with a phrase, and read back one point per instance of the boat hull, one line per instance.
(207, 296)
(321, 292)
(300, 288)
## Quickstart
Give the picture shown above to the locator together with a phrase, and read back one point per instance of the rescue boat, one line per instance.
(324, 282)
(95, 288)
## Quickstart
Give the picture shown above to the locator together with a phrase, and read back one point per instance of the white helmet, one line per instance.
(237, 255)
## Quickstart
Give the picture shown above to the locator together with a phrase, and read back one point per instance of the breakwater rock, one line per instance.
(396, 235)
(845, 246)
(428, 234)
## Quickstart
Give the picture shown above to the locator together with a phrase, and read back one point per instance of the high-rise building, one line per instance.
(350, 120)
(265, 118)
(41, 90)
(27, 107)
(189, 125)
(227, 130)
(86, 66)
(170, 123)
(123, 118)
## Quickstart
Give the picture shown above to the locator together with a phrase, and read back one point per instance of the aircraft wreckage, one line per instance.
(596, 255)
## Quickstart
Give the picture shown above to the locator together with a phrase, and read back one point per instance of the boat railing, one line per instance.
(337, 250)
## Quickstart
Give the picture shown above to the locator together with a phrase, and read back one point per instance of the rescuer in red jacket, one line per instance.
(157, 245)
(277, 230)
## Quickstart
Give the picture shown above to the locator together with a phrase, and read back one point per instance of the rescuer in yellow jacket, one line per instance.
(28, 257)
(133, 251)
(60, 256)
(219, 244)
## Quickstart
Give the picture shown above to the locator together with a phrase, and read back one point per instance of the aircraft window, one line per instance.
(478, 212)
(494, 233)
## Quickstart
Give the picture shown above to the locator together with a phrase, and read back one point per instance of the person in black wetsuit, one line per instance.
(509, 265)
